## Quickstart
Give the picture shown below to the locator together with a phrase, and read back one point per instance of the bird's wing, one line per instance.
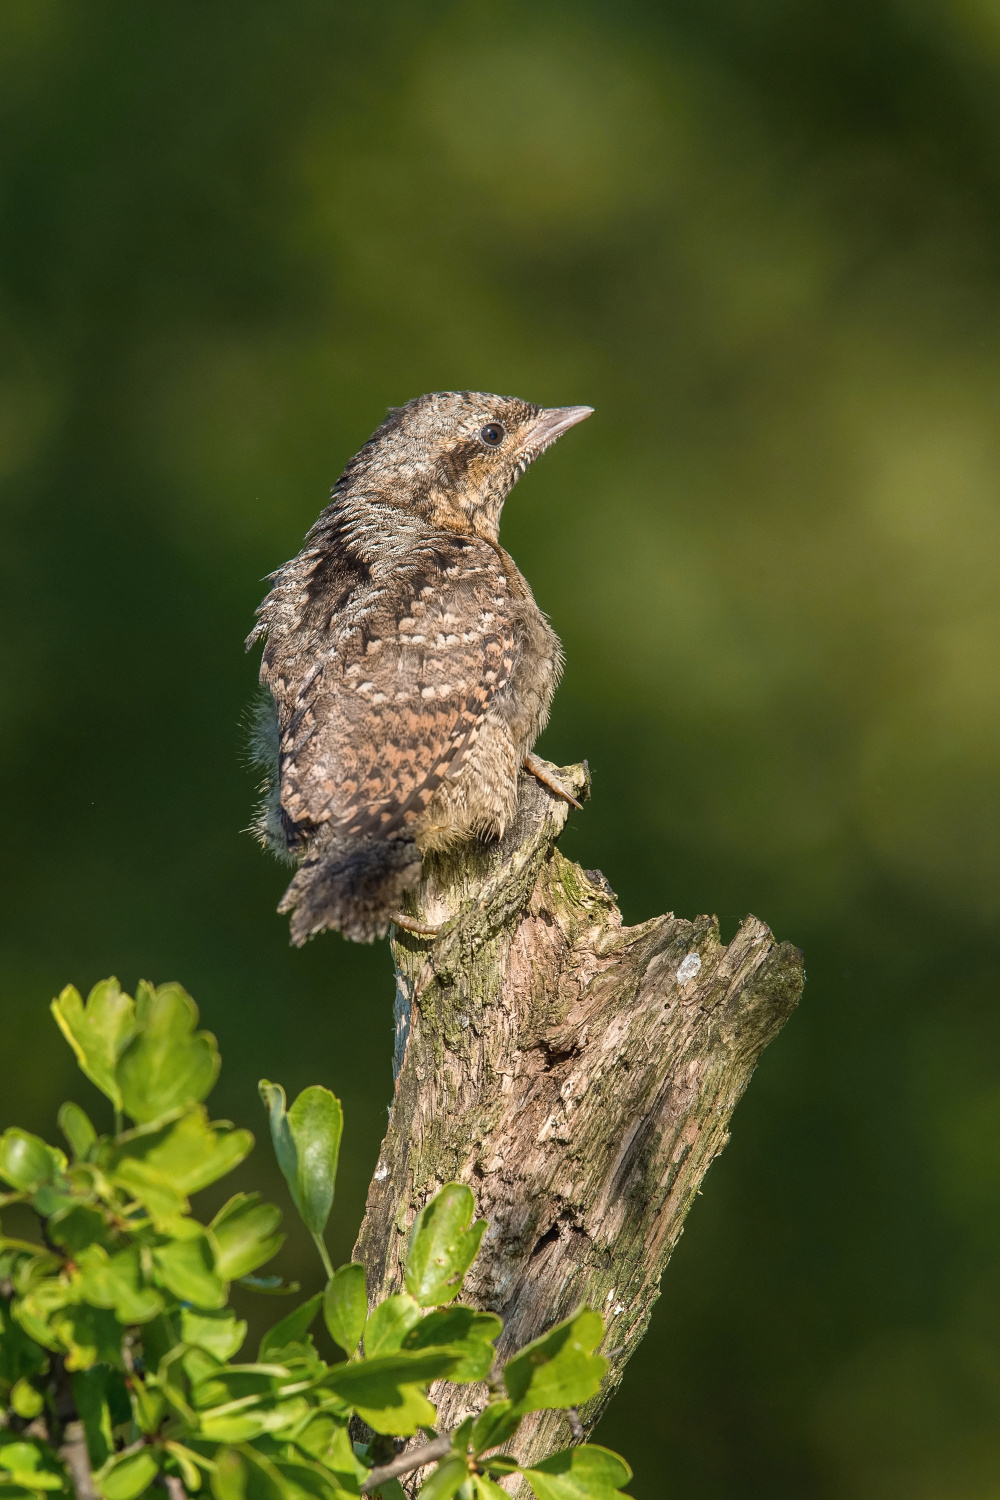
(411, 668)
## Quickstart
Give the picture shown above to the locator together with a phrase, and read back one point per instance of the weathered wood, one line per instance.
(578, 1074)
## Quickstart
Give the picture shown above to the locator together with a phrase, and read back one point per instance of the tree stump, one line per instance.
(579, 1076)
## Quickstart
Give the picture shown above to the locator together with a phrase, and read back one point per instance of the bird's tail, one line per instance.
(353, 885)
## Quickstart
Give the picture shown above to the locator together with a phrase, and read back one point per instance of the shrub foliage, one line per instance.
(118, 1346)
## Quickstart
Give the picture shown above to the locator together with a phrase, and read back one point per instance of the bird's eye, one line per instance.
(492, 434)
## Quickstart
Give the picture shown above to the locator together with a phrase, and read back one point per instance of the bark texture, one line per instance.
(579, 1075)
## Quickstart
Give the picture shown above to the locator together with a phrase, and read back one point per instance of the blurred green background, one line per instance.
(762, 238)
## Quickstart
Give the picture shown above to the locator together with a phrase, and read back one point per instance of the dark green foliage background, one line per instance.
(763, 240)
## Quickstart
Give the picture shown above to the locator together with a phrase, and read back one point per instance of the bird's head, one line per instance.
(453, 456)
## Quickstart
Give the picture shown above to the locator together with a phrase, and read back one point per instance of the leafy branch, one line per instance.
(118, 1345)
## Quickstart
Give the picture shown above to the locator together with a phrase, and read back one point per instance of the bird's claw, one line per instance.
(537, 769)
(410, 924)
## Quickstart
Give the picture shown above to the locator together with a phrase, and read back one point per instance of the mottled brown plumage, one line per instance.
(408, 669)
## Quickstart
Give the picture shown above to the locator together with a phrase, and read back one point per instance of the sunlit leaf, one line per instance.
(228, 1383)
(327, 1438)
(126, 1478)
(190, 1154)
(186, 1266)
(445, 1480)
(585, 1473)
(185, 1461)
(90, 1335)
(485, 1488)
(29, 1464)
(345, 1306)
(495, 1424)
(243, 1427)
(26, 1161)
(116, 1282)
(399, 1413)
(155, 1192)
(461, 1327)
(26, 1400)
(244, 1235)
(389, 1324)
(307, 1144)
(560, 1369)
(388, 1390)
(167, 1066)
(220, 1333)
(229, 1481)
(98, 1032)
(443, 1245)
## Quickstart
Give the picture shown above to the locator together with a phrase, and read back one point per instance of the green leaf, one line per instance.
(560, 1369)
(81, 1227)
(76, 1127)
(306, 1481)
(292, 1329)
(31, 1465)
(26, 1400)
(90, 1335)
(116, 1282)
(220, 1333)
(460, 1327)
(185, 1265)
(149, 1406)
(245, 1475)
(442, 1245)
(167, 1066)
(229, 1482)
(26, 1161)
(388, 1391)
(585, 1473)
(184, 1458)
(327, 1438)
(38, 1305)
(190, 1154)
(126, 1478)
(399, 1413)
(161, 1167)
(445, 1480)
(389, 1323)
(20, 1355)
(159, 1198)
(244, 1426)
(307, 1144)
(90, 1393)
(97, 1033)
(494, 1425)
(244, 1235)
(345, 1306)
(485, 1488)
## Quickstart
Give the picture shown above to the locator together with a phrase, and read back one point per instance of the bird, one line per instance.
(406, 670)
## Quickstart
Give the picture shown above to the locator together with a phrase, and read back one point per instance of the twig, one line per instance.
(172, 1485)
(415, 1458)
(77, 1460)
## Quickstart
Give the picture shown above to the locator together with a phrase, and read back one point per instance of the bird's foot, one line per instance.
(537, 769)
(410, 924)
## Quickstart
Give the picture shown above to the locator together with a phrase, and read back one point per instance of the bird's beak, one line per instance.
(553, 421)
